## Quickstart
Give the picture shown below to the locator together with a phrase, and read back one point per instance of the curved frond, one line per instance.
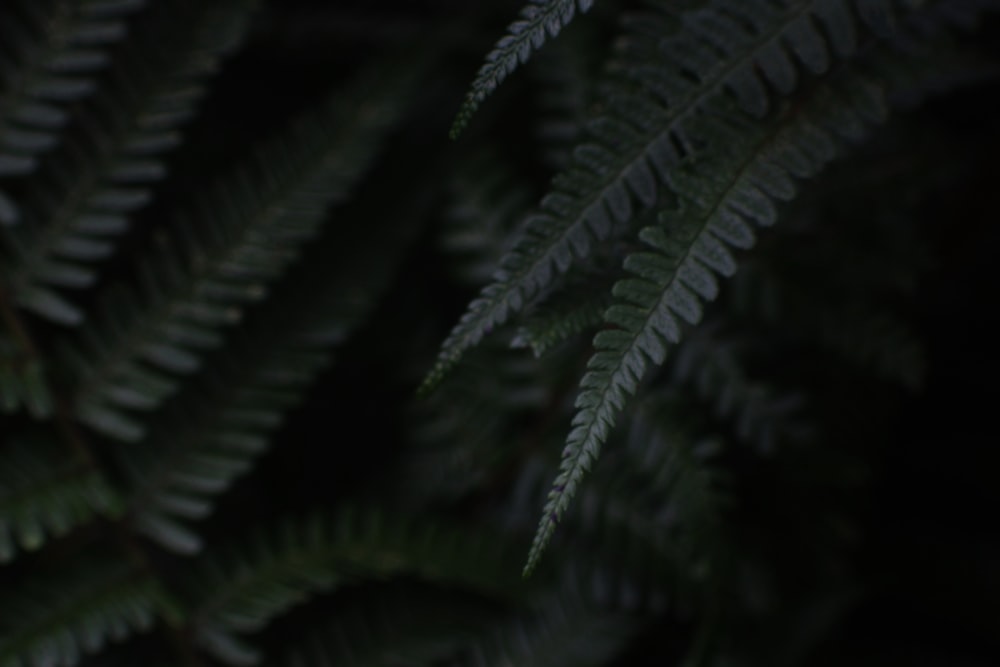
(720, 201)
(223, 420)
(241, 238)
(53, 49)
(99, 180)
(538, 19)
(679, 70)
(242, 592)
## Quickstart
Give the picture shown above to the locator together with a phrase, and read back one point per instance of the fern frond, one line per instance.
(719, 199)
(243, 592)
(102, 180)
(218, 427)
(54, 48)
(538, 19)
(57, 622)
(44, 493)
(726, 47)
(582, 311)
(241, 239)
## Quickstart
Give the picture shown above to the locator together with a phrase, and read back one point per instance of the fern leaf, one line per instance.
(728, 47)
(581, 312)
(223, 421)
(720, 200)
(106, 179)
(538, 19)
(56, 48)
(57, 625)
(240, 240)
(44, 494)
(278, 571)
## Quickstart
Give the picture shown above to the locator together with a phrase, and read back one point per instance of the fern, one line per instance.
(279, 571)
(216, 429)
(102, 181)
(644, 134)
(719, 200)
(538, 18)
(50, 624)
(56, 49)
(248, 230)
(253, 315)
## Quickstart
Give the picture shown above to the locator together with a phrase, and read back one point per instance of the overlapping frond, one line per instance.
(90, 189)
(241, 237)
(539, 18)
(223, 421)
(679, 65)
(721, 200)
(243, 591)
(53, 50)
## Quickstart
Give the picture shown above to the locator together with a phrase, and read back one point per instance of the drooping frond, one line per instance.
(582, 311)
(678, 71)
(538, 19)
(228, 251)
(721, 199)
(218, 427)
(52, 51)
(96, 182)
(244, 591)
(58, 621)
(44, 493)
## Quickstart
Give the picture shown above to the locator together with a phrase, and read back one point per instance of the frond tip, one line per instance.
(523, 36)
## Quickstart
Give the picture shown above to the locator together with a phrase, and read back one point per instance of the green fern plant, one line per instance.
(233, 233)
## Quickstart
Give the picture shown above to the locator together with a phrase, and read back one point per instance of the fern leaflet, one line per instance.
(538, 18)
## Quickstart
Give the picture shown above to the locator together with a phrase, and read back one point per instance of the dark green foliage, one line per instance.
(741, 257)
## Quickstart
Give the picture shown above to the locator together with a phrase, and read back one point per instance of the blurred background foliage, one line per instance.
(234, 237)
